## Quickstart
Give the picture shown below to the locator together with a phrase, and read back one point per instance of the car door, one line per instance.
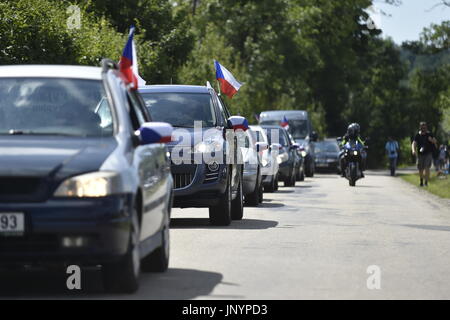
(235, 168)
(152, 165)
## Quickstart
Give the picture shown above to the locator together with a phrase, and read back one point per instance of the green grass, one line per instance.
(437, 186)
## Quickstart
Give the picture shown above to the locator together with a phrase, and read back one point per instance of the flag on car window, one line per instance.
(285, 123)
(228, 83)
(128, 62)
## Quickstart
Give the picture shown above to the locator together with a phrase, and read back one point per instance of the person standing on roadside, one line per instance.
(422, 147)
(392, 150)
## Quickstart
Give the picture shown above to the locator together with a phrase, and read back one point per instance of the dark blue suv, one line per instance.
(207, 164)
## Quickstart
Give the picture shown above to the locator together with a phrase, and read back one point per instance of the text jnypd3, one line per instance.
(228, 310)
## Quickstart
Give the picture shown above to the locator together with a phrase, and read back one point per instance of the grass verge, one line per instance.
(437, 186)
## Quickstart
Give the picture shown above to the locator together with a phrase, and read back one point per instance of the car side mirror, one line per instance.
(261, 146)
(237, 123)
(154, 132)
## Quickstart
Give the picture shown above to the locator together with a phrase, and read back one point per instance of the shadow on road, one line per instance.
(203, 223)
(271, 205)
(427, 227)
(284, 191)
(176, 284)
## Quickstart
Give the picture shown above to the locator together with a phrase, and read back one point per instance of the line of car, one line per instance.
(90, 168)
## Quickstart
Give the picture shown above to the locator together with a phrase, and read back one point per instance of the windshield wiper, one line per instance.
(15, 132)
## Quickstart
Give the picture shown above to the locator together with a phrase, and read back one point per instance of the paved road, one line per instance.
(314, 241)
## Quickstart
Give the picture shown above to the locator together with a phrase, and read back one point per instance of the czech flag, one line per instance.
(228, 83)
(285, 123)
(128, 62)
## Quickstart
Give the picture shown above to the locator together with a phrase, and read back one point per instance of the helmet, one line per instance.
(353, 130)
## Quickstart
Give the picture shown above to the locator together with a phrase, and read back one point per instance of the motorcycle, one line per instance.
(354, 154)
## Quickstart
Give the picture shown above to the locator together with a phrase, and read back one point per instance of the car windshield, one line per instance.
(181, 109)
(277, 136)
(326, 146)
(297, 128)
(54, 106)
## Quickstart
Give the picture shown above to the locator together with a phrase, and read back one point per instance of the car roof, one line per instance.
(51, 71)
(256, 127)
(279, 114)
(176, 88)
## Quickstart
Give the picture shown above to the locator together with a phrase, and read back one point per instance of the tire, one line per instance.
(237, 205)
(290, 182)
(351, 182)
(220, 215)
(261, 193)
(253, 199)
(277, 179)
(302, 176)
(158, 260)
(123, 276)
(271, 188)
(309, 166)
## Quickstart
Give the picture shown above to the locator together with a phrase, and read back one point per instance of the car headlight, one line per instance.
(207, 147)
(282, 158)
(90, 185)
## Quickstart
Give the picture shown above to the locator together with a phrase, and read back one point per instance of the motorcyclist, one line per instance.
(353, 133)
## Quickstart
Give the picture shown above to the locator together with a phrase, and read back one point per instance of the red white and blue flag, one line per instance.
(285, 123)
(228, 83)
(128, 62)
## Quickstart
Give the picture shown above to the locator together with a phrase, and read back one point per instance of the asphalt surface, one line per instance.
(314, 241)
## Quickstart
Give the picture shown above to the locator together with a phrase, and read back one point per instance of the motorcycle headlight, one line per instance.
(90, 185)
(264, 162)
(303, 153)
(355, 153)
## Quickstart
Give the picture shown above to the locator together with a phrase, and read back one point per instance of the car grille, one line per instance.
(182, 180)
(29, 243)
(211, 176)
(22, 189)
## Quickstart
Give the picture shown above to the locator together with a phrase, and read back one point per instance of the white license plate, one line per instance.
(12, 224)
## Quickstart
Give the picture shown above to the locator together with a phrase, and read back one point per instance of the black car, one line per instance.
(84, 175)
(206, 162)
(288, 158)
(327, 155)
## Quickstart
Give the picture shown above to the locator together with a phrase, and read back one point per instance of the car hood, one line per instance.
(52, 157)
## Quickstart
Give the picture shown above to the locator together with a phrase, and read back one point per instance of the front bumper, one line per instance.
(204, 188)
(104, 223)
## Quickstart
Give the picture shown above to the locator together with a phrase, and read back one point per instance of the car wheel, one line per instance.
(220, 215)
(237, 205)
(271, 187)
(123, 276)
(158, 260)
(252, 199)
(290, 181)
(261, 193)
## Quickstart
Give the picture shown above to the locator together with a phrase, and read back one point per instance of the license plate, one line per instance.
(12, 224)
